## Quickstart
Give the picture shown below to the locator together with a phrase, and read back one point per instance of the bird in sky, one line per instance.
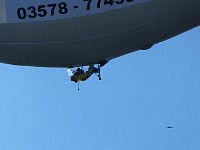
(169, 127)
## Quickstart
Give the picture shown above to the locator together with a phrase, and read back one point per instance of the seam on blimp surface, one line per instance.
(45, 43)
(64, 30)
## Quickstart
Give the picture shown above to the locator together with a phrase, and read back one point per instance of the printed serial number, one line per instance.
(106, 2)
(41, 10)
(62, 8)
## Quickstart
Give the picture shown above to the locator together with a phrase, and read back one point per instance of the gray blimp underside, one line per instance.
(87, 35)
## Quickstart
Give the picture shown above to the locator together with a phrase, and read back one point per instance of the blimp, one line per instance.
(76, 33)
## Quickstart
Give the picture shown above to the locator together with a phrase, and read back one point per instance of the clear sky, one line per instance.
(139, 96)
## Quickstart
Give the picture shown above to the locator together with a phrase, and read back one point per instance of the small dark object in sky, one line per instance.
(169, 127)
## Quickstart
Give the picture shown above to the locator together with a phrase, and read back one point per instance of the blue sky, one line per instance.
(139, 96)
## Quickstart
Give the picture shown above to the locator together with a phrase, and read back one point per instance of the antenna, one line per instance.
(78, 86)
(99, 72)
